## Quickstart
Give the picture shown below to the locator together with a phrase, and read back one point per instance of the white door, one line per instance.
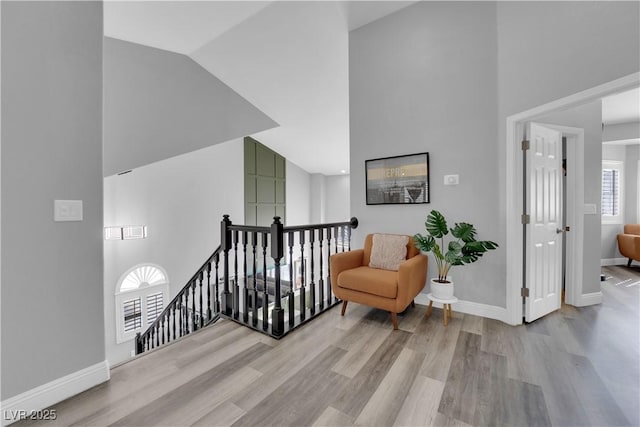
(543, 233)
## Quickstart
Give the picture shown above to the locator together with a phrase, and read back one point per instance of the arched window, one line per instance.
(140, 297)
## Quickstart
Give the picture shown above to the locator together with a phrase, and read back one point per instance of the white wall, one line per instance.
(181, 200)
(52, 324)
(337, 198)
(298, 195)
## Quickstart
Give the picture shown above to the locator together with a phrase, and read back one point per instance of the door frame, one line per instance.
(514, 185)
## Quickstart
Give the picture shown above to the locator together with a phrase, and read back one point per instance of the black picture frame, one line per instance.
(398, 180)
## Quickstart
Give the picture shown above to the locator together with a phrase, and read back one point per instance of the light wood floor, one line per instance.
(573, 367)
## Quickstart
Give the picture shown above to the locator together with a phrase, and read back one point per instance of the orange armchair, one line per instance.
(352, 279)
(629, 242)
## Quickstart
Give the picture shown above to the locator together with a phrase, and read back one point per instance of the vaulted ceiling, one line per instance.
(288, 58)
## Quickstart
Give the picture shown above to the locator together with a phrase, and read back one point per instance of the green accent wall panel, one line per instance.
(265, 184)
(266, 190)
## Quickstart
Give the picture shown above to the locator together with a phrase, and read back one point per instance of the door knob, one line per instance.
(559, 230)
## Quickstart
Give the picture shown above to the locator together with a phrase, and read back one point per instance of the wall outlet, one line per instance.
(451, 180)
(67, 210)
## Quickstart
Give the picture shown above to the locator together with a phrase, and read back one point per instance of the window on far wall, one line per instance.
(140, 298)
(612, 191)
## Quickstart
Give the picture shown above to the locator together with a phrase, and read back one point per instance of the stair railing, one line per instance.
(256, 277)
(196, 305)
(268, 277)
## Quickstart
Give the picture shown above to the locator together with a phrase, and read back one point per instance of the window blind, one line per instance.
(610, 192)
(132, 314)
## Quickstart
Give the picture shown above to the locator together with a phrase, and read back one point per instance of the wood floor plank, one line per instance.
(509, 341)
(370, 337)
(123, 402)
(224, 414)
(420, 407)
(331, 417)
(552, 367)
(316, 384)
(459, 397)
(384, 405)
(359, 389)
(439, 353)
(472, 324)
(190, 402)
(284, 362)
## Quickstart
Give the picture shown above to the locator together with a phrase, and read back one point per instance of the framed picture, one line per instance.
(398, 180)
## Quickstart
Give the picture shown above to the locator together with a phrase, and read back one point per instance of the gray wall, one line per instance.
(159, 104)
(549, 50)
(424, 79)
(589, 118)
(52, 305)
(443, 78)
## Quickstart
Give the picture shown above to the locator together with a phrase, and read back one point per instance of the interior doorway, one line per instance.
(553, 230)
(514, 183)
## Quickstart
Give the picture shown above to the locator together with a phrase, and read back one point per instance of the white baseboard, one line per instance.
(590, 299)
(28, 403)
(613, 261)
(468, 307)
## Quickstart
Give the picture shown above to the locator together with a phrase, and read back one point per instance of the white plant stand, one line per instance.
(446, 307)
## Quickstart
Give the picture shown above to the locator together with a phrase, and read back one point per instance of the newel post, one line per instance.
(139, 344)
(277, 252)
(225, 243)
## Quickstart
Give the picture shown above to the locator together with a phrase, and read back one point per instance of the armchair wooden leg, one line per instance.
(629, 263)
(344, 306)
(394, 320)
(413, 303)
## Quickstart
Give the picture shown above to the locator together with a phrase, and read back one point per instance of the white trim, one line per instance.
(593, 298)
(513, 180)
(468, 307)
(613, 261)
(55, 391)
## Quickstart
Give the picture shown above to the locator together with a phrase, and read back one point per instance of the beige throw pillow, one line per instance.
(388, 251)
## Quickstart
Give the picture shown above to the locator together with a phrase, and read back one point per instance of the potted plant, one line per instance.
(465, 249)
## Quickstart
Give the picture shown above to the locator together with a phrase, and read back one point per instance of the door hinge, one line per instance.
(524, 292)
(525, 145)
(525, 219)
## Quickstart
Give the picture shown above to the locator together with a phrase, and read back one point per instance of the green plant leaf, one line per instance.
(465, 232)
(424, 243)
(436, 224)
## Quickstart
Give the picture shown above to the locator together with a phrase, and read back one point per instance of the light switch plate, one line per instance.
(67, 210)
(451, 179)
